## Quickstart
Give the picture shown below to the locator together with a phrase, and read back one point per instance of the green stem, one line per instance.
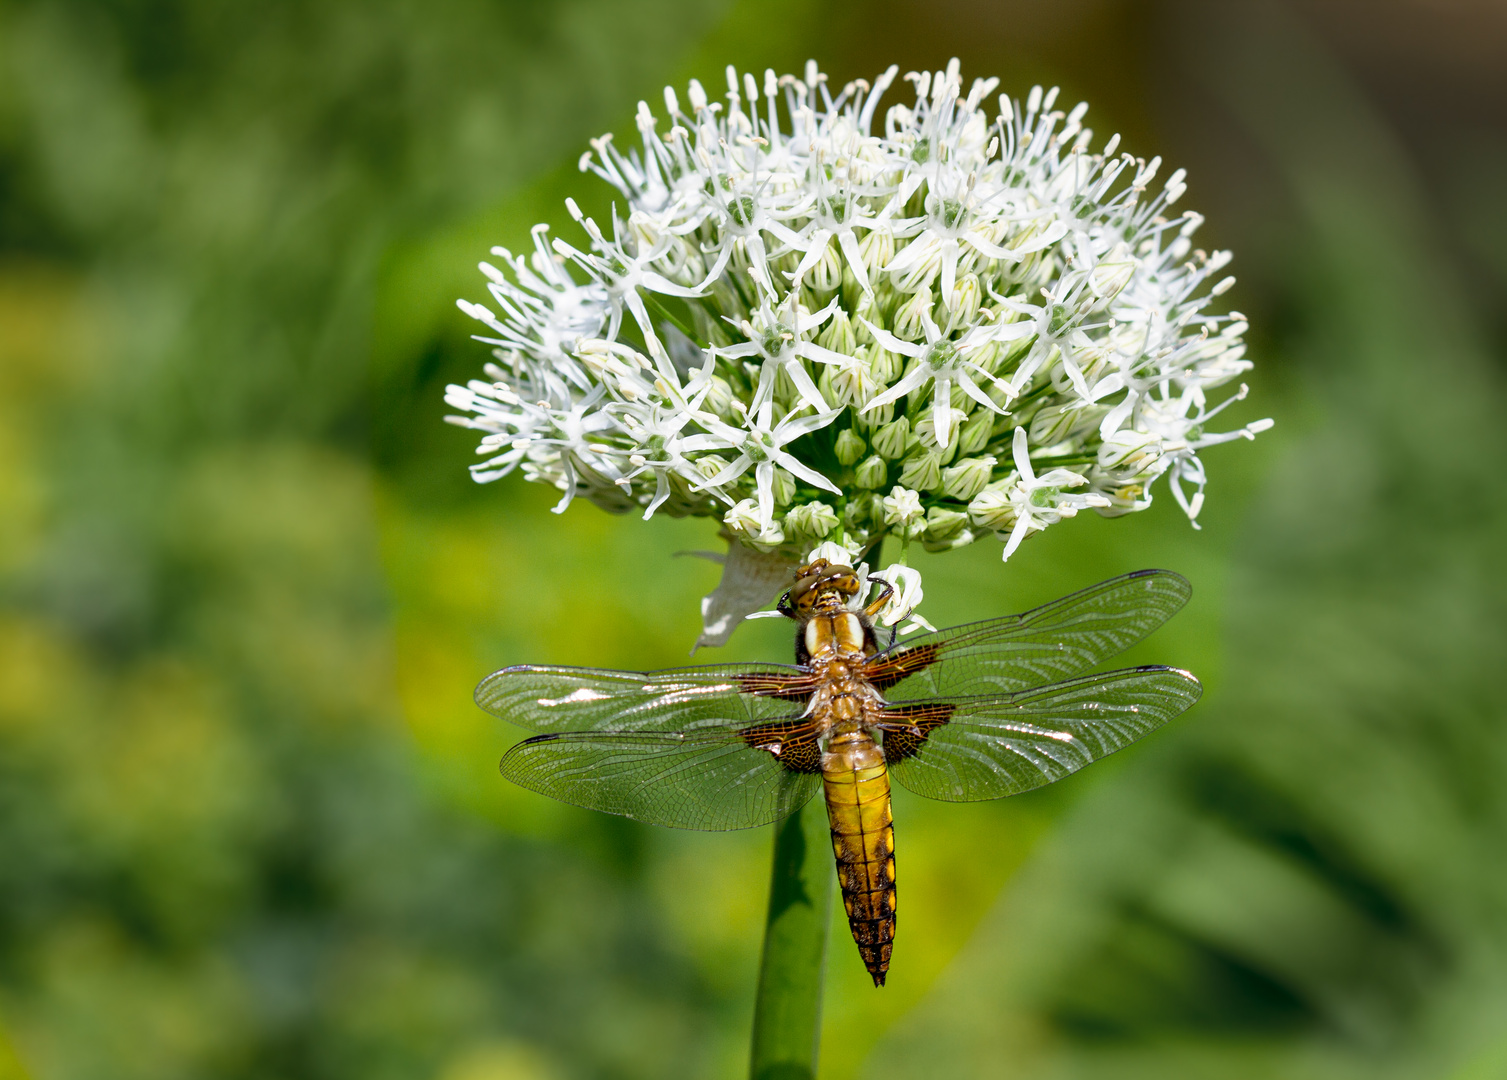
(787, 1013)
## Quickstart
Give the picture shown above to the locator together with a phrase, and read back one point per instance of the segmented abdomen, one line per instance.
(863, 839)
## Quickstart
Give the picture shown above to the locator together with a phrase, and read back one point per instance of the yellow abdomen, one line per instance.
(863, 839)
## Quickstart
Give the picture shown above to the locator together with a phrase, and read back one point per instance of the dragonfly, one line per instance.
(974, 712)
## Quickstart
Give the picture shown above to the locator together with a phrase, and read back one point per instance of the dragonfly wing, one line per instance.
(555, 699)
(1052, 642)
(709, 779)
(967, 749)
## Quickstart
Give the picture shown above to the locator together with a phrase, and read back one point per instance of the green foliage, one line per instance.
(250, 823)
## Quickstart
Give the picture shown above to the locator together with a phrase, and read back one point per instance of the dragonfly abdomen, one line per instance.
(863, 839)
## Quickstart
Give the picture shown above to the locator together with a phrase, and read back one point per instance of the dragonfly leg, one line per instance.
(883, 598)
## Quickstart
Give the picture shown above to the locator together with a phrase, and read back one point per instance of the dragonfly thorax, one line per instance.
(831, 639)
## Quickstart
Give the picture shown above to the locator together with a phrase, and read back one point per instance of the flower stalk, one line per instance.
(787, 1010)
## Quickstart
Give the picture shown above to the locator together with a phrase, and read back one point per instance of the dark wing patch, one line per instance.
(793, 742)
(906, 727)
(885, 670)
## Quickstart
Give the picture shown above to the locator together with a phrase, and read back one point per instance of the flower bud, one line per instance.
(922, 471)
(988, 357)
(813, 520)
(966, 297)
(847, 384)
(926, 433)
(893, 439)
(743, 517)
(993, 508)
(976, 432)
(1112, 273)
(871, 420)
(1130, 452)
(722, 402)
(849, 447)
(826, 275)
(856, 512)
(967, 478)
(943, 525)
(878, 250)
(837, 335)
(1063, 424)
(783, 487)
(884, 365)
(871, 473)
(902, 509)
(709, 465)
(770, 538)
(910, 316)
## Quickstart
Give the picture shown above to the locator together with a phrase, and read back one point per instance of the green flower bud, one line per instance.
(1062, 426)
(847, 384)
(826, 275)
(990, 355)
(722, 402)
(878, 250)
(943, 525)
(992, 508)
(837, 335)
(885, 365)
(1112, 273)
(813, 520)
(850, 446)
(871, 420)
(967, 478)
(709, 465)
(922, 471)
(966, 296)
(962, 538)
(871, 474)
(1130, 453)
(743, 517)
(909, 317)
(976, 432)
(892, 440)
(925, 429)
(783, 487)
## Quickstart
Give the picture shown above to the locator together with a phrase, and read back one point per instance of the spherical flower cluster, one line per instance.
(821, 332)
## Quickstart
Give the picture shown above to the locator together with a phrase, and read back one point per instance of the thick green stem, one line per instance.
(787, 1014)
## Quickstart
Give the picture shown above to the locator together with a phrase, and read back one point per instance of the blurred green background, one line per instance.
(250, 824)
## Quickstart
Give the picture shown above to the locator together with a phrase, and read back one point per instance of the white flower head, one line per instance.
(807, 295)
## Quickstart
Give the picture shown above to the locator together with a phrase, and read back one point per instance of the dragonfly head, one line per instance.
(821, 588)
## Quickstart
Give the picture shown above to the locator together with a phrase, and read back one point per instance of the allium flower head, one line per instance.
(823, 322)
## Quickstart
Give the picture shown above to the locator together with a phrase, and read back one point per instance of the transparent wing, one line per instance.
(708, 779)
(555, 699)
(1052, 642)
(967, 749)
